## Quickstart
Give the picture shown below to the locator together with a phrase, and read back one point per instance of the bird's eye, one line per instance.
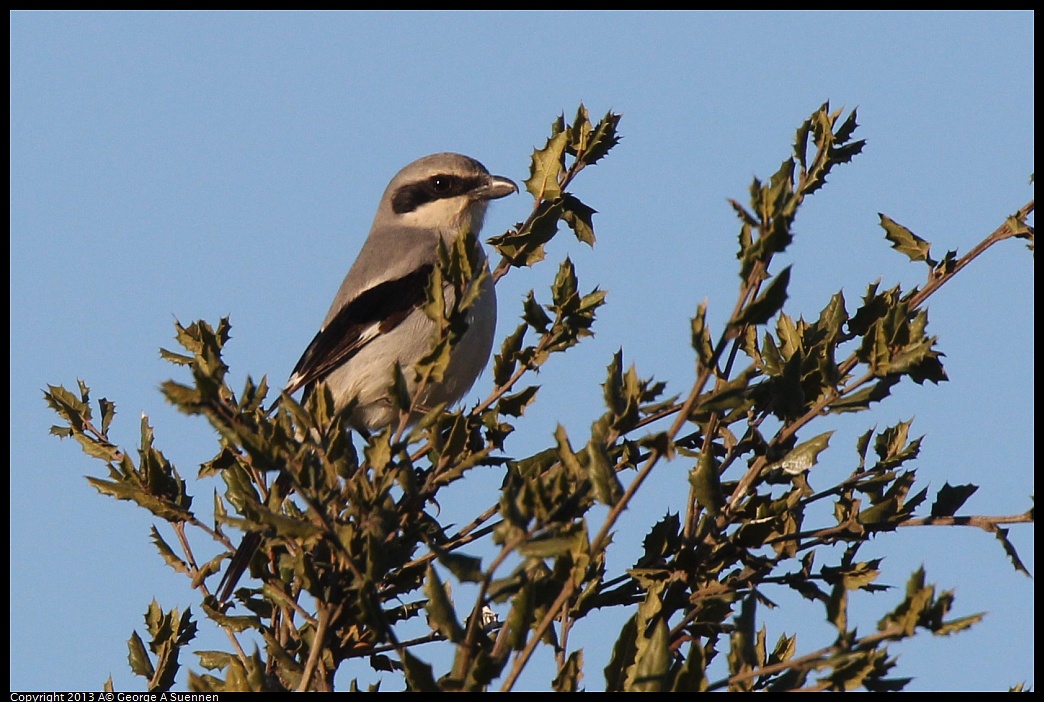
(441, 184)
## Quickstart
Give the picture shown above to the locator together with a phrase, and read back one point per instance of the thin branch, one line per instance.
(1005, 231)
(318, 645)
(895, 632)
(979, 522)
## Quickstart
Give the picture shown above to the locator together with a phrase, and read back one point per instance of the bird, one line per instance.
(377, 319)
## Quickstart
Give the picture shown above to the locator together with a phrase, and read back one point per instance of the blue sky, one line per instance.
(194, 165)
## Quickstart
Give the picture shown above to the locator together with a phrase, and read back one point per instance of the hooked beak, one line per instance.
(496, 188)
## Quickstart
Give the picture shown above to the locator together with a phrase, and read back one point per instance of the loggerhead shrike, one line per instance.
(377, 319)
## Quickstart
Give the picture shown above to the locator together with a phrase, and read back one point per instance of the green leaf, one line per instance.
(138, 657)
(706, 484)
(833, 317)
(505, 362)
(664, 539)
(854, 576)
(803, 456)
(108, 411)
(441, 615)
(214, 660)
(622, 658)
(232, 623)
(96, 448)
(638, 654)
(603, 137)
(950, 499)
(861, 399)
(399, 387)
(905, 241)
(701, 337)
(284, 525)
(519, 617)
(837, 608)
(786, 647)
(768, 302)
(790, 335)
(1013, 555)
(545, 169)
(801, 142)
(565, 452)
(515, 405)
(526, 247)
(579, 218)
(534, 315)
(464, 568)
(653, 660)
(549, 546)
(607, 487)
(579, 131)
(167, 553)
(692, 675)
(419, 676)
(564, 289)
(893, 446)
(954, 626)
(908, 613)
(570, 673)
(612, 388)
(742, 655)
(178, 359)
(845, 131)
(162, 508)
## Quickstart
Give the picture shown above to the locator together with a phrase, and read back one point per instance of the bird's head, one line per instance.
(445, 192)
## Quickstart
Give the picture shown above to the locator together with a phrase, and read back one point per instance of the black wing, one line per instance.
(373, 312)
